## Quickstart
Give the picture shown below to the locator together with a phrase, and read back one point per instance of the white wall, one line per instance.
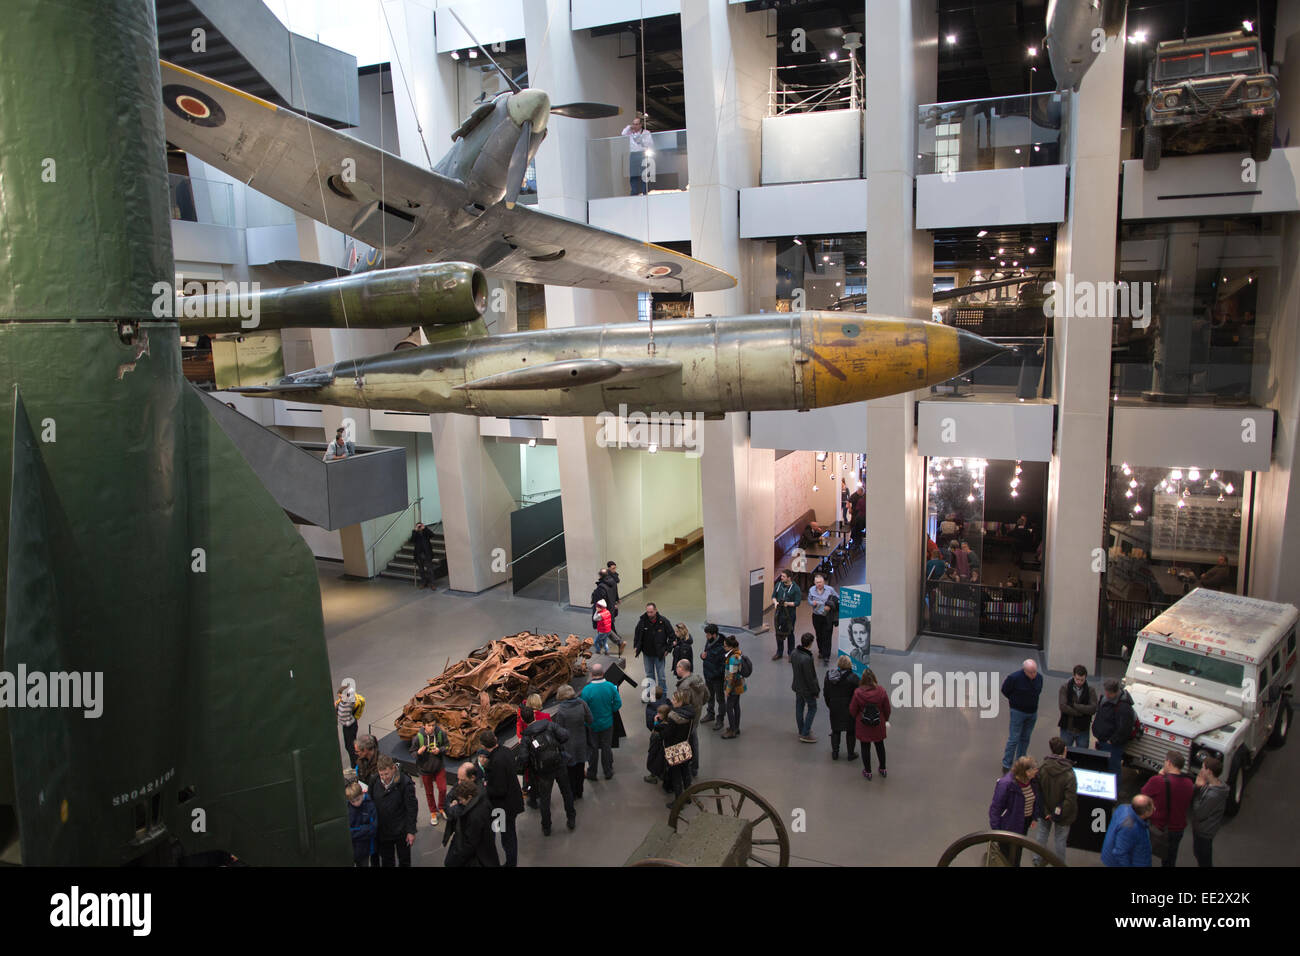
(671, 503)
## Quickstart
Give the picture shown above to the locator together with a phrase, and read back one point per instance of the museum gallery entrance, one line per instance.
(982, 577)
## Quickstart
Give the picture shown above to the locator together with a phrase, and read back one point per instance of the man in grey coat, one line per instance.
(572, 713)
(1209, 802)
(697, 695)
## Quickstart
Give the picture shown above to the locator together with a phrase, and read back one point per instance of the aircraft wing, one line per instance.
(413, 214)
(552, 250)
(325, 174)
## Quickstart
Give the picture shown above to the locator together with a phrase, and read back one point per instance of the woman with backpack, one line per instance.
(838, 689)
(683, 646)
(733, 685)
(870, 711)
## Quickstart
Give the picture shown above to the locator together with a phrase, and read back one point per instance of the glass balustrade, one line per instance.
(999, 133)
(616, 168)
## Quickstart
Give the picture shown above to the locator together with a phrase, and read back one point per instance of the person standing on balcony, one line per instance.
(640, 144)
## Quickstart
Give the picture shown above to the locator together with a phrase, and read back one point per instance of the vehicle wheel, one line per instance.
(1236, 784)
(1151, 144)
(1282, 727)
(1262, 146)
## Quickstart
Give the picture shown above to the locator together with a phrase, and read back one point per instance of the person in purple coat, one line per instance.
(1017, 803)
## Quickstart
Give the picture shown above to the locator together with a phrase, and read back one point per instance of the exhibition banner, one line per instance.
(855, 626)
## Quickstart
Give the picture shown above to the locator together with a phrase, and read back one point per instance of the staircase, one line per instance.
(402, 567)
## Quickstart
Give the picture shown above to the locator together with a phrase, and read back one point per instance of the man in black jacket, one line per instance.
(393, 794)
(713, 662)
(548, 764)
(654, 636)
(469, 827)
(1113, 725)
(504, 793)
(422, 542)
(805, 688)
(1078, 702)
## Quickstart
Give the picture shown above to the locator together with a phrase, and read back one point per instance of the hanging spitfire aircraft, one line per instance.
(462, 210)
(465, 210)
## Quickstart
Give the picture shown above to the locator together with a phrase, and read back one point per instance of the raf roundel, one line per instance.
(662, 270)
(193, 105)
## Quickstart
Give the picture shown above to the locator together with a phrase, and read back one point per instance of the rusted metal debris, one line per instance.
(487, 687)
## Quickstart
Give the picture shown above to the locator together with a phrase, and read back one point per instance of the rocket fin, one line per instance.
(43, 782)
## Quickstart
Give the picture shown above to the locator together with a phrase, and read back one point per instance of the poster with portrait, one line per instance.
(855, 627)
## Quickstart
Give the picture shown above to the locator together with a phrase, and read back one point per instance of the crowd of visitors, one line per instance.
(573, 744)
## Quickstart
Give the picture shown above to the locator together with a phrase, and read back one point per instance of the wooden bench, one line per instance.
(671, 553)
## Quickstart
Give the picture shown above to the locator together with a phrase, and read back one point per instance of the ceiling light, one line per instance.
(1001, 250)
(1182, 503)
(473, 54)
(1247, 25)
(455, 55)
(1015, 262)
(833, 55)
(1138, 36)
(1032, 250)
(798, 241)
(952, 38)
(1033, 51)
(532, 443)
(1002, 262)
(1176, 475)
(981, 234)
(1014, 493)
(826, 258)
(1137, 509)
(1036, 147)
(1228, 488)
(653, 448)
(1128, 493)
(1214, 476)
(1194, 474)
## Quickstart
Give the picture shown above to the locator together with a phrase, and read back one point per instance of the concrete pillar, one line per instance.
(1076, 482)
(726, 58)
(335, 345)
(476, 495)
(601, 507)
(901, 56)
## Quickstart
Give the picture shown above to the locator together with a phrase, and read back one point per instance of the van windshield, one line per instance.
(1188, 664)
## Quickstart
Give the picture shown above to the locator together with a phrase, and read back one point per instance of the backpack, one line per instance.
(870, 716)
(746, 666)
(544, 754)
(358, 707)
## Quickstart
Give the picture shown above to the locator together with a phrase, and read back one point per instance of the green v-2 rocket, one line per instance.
(161, 613)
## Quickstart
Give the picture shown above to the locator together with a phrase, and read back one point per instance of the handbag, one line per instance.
(678, 754)
(1159, 835)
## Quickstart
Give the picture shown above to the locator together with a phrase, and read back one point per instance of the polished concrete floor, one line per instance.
(943, 761)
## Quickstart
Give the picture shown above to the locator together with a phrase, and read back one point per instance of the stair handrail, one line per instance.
(371, 550)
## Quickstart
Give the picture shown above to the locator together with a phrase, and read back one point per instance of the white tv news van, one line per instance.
(1212, 676)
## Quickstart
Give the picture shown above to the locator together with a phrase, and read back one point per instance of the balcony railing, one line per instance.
(786, 95)
(985, 611)
(999, 133)
(614, 169)
(1123, 621)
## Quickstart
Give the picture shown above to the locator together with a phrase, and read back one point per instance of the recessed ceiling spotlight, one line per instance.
(981, 234)
(1033, 51)
(952, 39)
(455, 55)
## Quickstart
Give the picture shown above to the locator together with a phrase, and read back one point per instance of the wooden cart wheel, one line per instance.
(992, 852)
(769, 839)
